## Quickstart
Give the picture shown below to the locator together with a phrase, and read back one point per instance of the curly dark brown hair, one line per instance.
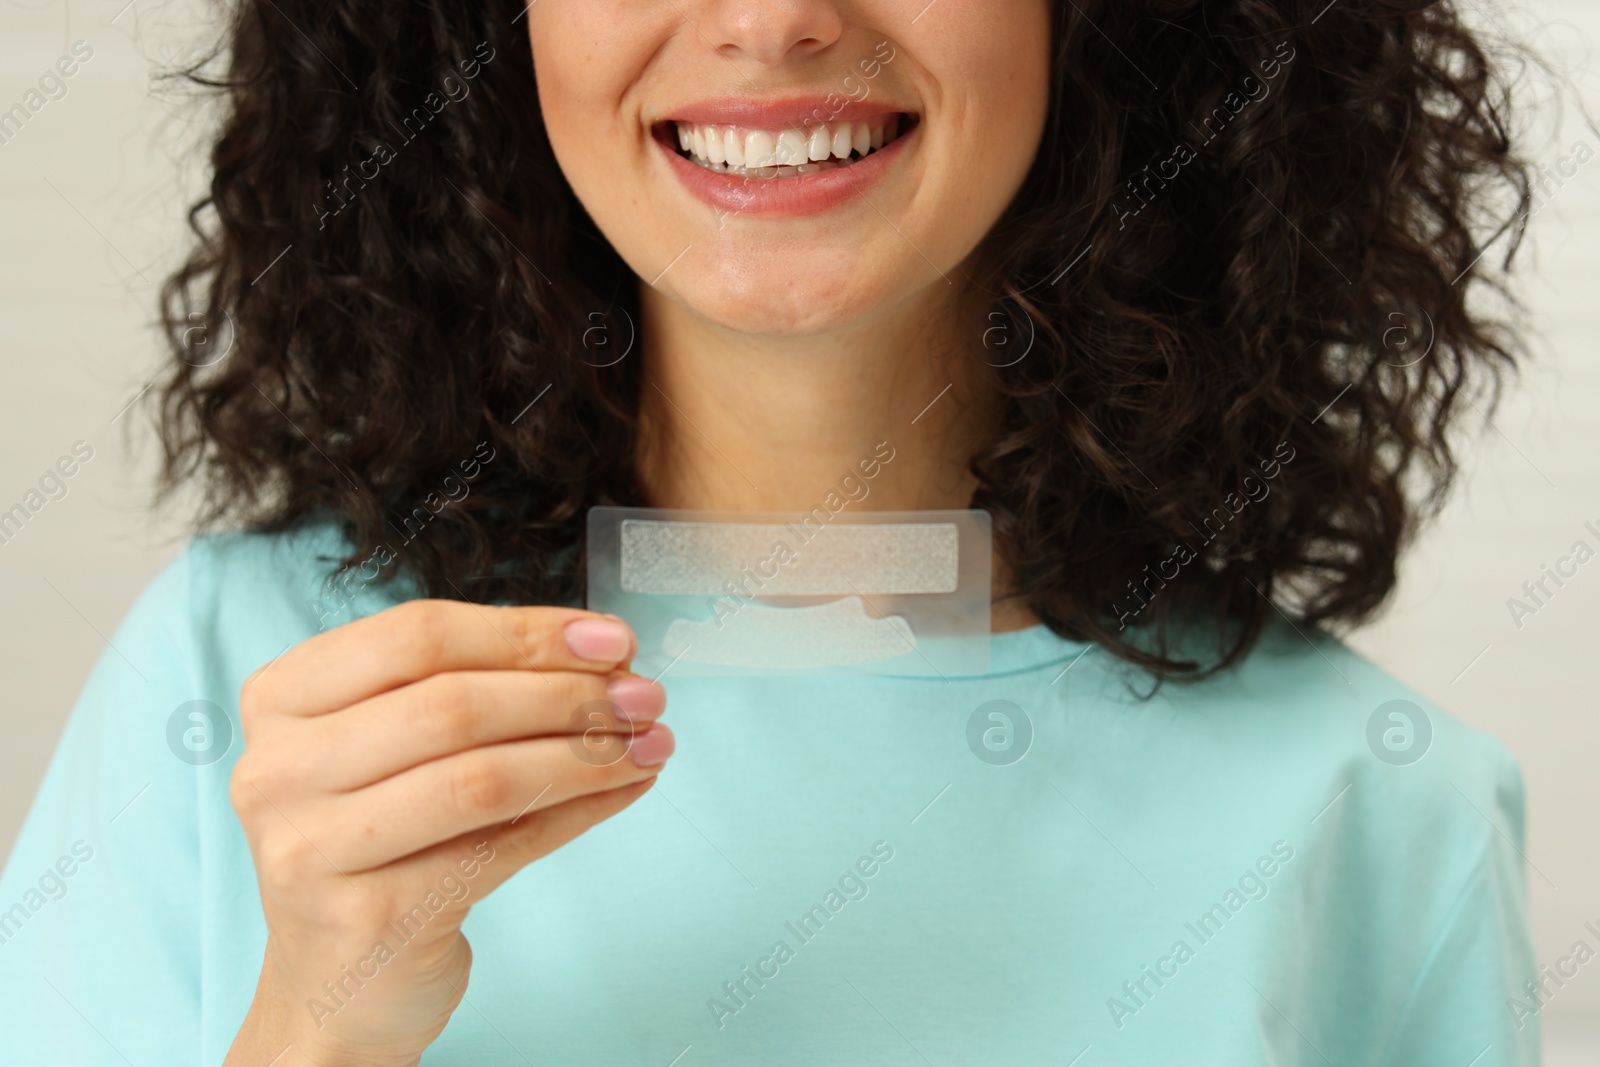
(1235, 206)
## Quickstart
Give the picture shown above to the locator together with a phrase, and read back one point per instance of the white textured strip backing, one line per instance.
(792, 559)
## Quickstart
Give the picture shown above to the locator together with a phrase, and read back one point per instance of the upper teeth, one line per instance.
(738, 146)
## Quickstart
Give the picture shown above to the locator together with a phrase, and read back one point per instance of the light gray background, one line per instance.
(94, 189)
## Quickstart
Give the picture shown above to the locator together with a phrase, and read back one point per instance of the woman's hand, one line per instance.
(396, 770)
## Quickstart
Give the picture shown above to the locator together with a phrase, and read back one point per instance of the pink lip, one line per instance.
(802, 195)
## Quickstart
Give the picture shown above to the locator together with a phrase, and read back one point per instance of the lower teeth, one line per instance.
(769, 172)
(777, 172)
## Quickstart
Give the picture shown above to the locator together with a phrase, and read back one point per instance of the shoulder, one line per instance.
(1307, 735)
(1379, 785)
(293, 564)
(1326, 702)
(237, 599)
(1414, 856)
(1304, 698)
(134, 807)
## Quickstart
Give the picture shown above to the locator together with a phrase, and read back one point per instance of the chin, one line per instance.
(817, 292)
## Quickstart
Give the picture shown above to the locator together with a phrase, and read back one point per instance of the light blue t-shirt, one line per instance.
(1028, 867)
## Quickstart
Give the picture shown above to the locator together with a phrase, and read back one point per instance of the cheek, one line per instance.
(586, 56)
(987, 84)
(996, 77)
(593, 62)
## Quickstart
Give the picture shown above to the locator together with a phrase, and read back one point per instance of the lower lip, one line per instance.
(804, 194)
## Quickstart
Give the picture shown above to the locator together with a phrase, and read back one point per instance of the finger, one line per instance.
(445, 798)
(419, 638)
(486, 859)
(460, 710)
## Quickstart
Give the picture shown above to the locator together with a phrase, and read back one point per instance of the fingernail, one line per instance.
(600, 640)
(637, 699)
(652, 747)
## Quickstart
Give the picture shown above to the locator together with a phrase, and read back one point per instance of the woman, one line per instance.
(1125, 275)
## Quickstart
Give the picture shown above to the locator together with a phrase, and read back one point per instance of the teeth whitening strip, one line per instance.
(690, 558)
(739, 593)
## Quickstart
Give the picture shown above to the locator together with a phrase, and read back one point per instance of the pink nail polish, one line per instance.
(652, 747)
(599, 640)
(637, 699)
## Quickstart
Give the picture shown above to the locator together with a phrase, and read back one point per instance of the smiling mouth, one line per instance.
(789, 153)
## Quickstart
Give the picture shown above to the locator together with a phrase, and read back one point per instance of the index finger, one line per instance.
(421, 638)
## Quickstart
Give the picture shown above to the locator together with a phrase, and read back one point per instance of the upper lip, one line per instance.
(795, 112)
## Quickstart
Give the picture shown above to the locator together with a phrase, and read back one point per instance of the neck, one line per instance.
(740, 422)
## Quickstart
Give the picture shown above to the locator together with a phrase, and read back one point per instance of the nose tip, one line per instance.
(772, 31)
